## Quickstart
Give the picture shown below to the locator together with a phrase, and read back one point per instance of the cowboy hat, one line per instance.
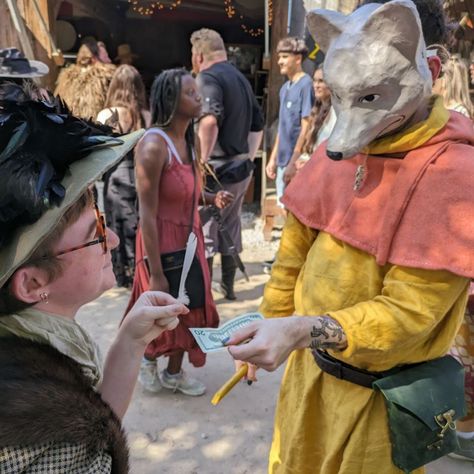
(125, 51)
(97, 154)
(13, 64)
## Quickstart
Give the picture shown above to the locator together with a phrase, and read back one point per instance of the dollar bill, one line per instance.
(210, 339)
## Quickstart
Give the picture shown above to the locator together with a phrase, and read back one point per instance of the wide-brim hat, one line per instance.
(14, 65)
(124, 51)
(81, 174)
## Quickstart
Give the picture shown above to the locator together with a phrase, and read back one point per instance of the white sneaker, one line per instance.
(148, 376)
(181, 382)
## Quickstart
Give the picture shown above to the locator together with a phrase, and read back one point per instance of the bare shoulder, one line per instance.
(151, 151)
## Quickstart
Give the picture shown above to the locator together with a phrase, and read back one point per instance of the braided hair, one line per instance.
(164, 101)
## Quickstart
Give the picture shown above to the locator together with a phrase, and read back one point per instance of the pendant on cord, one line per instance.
(359, 177)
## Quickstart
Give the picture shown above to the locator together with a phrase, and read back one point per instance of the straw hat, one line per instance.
(106, 151)
(13, 64)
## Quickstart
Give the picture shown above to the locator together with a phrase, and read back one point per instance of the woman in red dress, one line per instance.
(167, 175)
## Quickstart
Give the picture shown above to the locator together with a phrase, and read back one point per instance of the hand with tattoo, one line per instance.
(327, 334)
(273, 340)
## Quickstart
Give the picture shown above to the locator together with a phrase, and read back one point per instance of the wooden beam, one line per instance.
(19, 25)
(34, 31)
(275, 79)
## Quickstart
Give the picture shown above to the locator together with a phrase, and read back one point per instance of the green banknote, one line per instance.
(210, 339)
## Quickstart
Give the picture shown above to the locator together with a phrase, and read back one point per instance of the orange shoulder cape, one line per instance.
(416, 212)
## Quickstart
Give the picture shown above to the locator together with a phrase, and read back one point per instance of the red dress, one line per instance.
(173, 219)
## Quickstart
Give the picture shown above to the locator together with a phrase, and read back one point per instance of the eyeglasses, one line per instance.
(101, 233)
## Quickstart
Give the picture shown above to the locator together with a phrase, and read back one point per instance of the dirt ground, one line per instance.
(173, 434)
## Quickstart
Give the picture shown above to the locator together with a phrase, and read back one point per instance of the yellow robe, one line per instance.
(391, 315)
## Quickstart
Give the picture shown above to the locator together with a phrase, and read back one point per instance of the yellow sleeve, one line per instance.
(278, 296)
(415, 318)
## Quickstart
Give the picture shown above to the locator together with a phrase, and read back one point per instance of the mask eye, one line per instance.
(368, 99)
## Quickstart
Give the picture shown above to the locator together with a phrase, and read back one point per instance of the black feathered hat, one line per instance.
(14, 65)
(48, 158)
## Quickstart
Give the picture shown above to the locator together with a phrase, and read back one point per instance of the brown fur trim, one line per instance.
(44, 397)
(84, 89)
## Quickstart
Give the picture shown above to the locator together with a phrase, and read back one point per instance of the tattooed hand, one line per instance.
(327, 334)
(273, 340)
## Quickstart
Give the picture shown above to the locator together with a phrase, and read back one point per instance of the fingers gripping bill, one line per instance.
(211, 340)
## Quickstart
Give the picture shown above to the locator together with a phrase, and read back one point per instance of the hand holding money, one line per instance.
(271, 340)
(212, 340)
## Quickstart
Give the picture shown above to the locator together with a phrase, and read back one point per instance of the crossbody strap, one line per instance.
(194, 194)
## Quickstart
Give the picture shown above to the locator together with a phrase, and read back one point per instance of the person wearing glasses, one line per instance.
(60, 407)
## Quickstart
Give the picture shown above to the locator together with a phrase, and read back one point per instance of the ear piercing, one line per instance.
(44, 298)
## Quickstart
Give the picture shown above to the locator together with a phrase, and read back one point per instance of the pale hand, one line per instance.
(223, 199)
(272, 341)
(153, 313)
(271, 169)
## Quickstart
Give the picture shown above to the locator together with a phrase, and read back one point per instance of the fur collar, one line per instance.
(85, 89)
(44, 397)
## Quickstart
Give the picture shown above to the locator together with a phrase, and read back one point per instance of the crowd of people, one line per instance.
(372, 166)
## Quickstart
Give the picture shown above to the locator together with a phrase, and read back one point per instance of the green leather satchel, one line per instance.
(423, 401)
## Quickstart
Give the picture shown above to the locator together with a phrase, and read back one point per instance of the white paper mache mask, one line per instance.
(376, 68)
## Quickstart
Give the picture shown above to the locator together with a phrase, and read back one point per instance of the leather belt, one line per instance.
(347, 372)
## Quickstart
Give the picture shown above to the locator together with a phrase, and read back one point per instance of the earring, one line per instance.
(44, 298)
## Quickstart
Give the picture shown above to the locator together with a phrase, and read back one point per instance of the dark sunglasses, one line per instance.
(101, 233)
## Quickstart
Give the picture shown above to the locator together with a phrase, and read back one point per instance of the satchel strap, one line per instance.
(194, 194)
(172, 151)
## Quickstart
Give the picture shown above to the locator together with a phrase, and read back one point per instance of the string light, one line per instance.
(230, 10)
(270, 12)
(152, 7)
(254, 32)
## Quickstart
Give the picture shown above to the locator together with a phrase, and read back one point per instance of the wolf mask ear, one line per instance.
(399, 24)
(325, 26)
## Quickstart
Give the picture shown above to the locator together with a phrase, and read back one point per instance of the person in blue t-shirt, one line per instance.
(296, 101)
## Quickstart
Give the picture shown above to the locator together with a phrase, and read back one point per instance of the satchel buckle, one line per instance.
(446, 422)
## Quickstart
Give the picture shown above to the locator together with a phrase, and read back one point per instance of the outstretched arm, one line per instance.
(153, 313)
(414, 318)
(272, 341)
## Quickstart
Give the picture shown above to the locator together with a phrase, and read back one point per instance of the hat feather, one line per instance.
(39, 139)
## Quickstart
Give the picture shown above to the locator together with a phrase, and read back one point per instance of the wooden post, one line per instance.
(19, 25)
(275, 79)
(34, 30)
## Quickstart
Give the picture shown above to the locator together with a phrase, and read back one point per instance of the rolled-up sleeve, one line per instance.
(212, 96)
